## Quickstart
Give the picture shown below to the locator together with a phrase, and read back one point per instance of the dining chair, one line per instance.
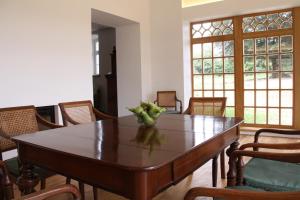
(169, 100)
(7, 192)
(80, 112)
(272, 171)
(211, 106)
(16, 121)
(239, 193)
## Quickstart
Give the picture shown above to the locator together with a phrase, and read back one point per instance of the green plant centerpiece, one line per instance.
(147, 113)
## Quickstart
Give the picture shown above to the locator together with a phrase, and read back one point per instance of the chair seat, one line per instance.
(272, 175)
(13, 168)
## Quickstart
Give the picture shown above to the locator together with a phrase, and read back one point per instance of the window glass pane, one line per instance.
(286, 98)
(273, 98)
(208, 94)
(229, 81)
(249, 115)
(249, 98)
(218, 81)
(219, 94)
(286, 43)
(249, 47)
(261, 63)
(261, 116)
(273, 62)
(273, 45)
(286, 117)
(229, 48)
(261, 98)
(273, 116)
(260, 45)
(229, 112)
(229, 65)
(248, 63)
(207, 66)
(218, 49)
(197, 66)
(249, 80)
(208, 82)
(197, 51)
(261, 81)
(273, 80)
(287, 80)
(207, 50)
(230, 98)
(218, 65)
(287, 62)
(197, 82)
(197, 93)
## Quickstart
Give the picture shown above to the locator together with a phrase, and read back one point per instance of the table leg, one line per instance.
(27, 180)
(215, 171)
(140, 186)
(231, 175)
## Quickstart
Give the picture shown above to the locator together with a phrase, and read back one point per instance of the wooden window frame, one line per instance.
(238, 36)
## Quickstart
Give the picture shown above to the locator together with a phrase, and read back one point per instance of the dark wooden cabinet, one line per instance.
(112, 92)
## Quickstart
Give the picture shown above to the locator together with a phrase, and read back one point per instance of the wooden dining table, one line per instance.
(125, 158)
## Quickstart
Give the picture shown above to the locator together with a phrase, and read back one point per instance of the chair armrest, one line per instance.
(46, 123)
(101, 115)
(283, 157)
(44, 194)
(229, 194)
(286, 146)
(276, 131)
(4, 135)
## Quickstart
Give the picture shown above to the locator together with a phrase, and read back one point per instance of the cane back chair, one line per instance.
(271, 171)
(212, 107)
(17, 121)
(169, 100)
(79, 112)
(7, 192)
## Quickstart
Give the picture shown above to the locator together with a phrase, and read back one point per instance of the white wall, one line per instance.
(166, 45)
(45, 51)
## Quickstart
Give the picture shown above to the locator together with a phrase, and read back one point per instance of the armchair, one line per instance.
(271, 171)
(6, 189)
(240, 193)
(79, 112)
(16, 121)
(213, 107)
(169, 100)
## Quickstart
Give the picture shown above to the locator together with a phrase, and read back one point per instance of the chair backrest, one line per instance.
(78, 111)
(207, 106)
(16, 121)
(166, 98)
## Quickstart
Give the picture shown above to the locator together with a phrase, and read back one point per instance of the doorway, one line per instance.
(105, 69)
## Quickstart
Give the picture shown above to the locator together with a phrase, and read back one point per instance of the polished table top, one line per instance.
(125, 143)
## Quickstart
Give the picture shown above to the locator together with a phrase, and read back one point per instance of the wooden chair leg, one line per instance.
(43, 183)
(68, 180)
(215, 171)
(81, 189)
(95, 193)
(222, 161)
